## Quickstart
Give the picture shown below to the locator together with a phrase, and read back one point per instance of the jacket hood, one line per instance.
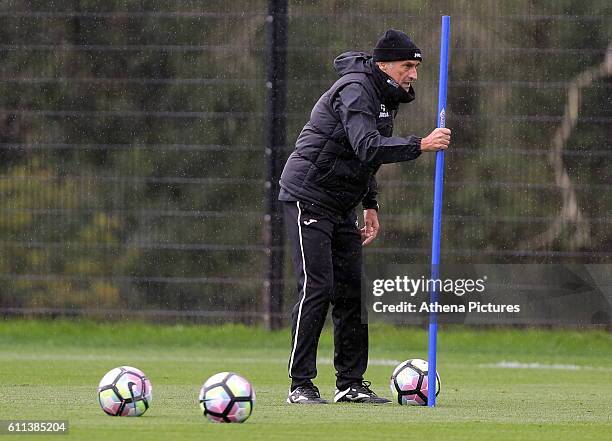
(353, 62)
(359, 62)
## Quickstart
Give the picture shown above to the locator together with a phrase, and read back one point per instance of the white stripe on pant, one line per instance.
(297, 328)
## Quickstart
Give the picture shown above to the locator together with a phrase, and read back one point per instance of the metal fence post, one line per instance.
(276, 121)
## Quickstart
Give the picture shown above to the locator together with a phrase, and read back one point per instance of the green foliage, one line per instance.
(106, 207)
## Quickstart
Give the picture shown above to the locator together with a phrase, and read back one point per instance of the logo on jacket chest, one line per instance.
(383, 112)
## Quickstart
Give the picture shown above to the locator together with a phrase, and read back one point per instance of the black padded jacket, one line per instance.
(348, 137)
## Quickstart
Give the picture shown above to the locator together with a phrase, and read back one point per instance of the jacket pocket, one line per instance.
(349, 170)
(326, 171)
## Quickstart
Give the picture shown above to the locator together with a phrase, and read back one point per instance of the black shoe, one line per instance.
(307, 394)
(359, 393)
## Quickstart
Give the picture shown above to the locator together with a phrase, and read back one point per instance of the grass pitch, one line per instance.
(496, 384)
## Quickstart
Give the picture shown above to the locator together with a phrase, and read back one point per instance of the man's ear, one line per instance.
(385, 66)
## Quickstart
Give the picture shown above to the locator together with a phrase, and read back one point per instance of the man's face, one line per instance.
(403, 72)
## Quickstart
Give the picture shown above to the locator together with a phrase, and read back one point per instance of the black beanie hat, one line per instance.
(396, 45)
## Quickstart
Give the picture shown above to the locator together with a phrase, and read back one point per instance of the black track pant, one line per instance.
(326, 252)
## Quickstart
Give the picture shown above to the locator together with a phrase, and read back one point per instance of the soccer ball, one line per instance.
(227, 398)
(409, 383)
(125, 391)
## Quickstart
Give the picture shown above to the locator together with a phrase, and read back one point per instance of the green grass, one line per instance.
(50, 370)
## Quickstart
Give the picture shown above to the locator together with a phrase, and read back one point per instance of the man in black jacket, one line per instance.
(332, 170)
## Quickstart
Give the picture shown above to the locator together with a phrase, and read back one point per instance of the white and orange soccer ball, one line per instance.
(125, 391)
(409, 383)
(227, 398)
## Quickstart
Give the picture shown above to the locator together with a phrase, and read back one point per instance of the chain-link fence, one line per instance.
(132, 143)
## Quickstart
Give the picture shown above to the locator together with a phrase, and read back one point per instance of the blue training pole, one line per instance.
(437, 214)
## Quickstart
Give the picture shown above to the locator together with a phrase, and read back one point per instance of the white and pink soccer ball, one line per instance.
(409, 383)
(125, 391)
(227, 398)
